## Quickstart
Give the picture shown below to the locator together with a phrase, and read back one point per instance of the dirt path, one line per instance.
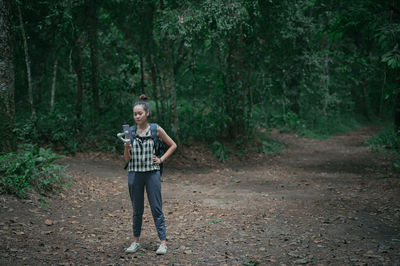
(324, 202)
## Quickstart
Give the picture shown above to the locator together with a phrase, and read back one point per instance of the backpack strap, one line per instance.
(153, 129)
(158, 143)
(133, 130)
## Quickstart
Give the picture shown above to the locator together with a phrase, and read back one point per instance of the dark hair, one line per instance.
(143, 101)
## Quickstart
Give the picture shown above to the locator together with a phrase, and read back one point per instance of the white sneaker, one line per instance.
(135, 246)
(162, 249)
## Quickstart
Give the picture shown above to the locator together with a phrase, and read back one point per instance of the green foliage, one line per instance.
(314, 67)
(220, 151)
(387, 141)
(265, 144)
(392, 58)
(32, 168)
(57, 128)
(201, 121)
(25, 130)
(325, 128)
(271, 146)
(247, 262)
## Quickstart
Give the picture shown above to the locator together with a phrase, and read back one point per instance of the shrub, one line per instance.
(32, 168)
(387, 142)
(220, 151)
(266, 144)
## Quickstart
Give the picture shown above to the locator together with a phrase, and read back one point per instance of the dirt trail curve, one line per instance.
(324, 202)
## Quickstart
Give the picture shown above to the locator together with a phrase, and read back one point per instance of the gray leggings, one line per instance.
(136, 182)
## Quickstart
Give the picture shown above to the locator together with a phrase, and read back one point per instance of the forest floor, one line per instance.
(322, 202)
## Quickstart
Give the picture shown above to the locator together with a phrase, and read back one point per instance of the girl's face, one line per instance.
(140, 115)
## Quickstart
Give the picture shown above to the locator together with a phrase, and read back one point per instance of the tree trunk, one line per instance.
(234, 93)
(249, 99)
(162, 94)
(8, 140)
(397, 110)
(170, 83)
(53, 85)
(92, 37)
(365, 101)
(325, 80)
(28, 64)
(152, 64)
(382, 94)
(78, 65)
(172, 90)
(174, 111)
(141, 70)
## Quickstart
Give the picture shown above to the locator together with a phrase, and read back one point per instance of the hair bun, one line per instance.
(143, 97)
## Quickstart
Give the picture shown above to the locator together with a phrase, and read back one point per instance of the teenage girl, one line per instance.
(144, 171)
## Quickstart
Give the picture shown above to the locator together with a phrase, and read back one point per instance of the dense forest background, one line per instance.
(214, 70)
(234, 79)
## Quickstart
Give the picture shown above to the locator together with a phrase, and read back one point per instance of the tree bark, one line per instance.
(161, 92)
(249, 99)
(171, 82)
(397, 109)
(152, 64)
(28, 64)
(172, 89)
(365, 101)
(79, 86)
(91, 6)
(8, 140)
(53, 85)
(141, 70)
(233, 90)
(382, 93)
(77, 62)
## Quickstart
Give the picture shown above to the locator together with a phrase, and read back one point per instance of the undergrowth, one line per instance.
(326, 128)
(31, 169)
(387, 141)
(258, 141)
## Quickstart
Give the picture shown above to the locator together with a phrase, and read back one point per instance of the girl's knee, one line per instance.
(137, 212)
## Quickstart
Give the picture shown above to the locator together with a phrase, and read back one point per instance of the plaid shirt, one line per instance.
(141, 154)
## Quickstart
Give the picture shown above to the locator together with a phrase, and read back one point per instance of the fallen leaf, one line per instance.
(46, 253)
(48, 222)
(301, 261)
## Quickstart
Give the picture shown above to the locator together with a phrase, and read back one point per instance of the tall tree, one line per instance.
(92, 22)
(28, 64)
(7, 109)
(77, 63)
(53, 85)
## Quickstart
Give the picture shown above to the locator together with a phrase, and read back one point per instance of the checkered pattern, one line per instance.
(141, 154)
